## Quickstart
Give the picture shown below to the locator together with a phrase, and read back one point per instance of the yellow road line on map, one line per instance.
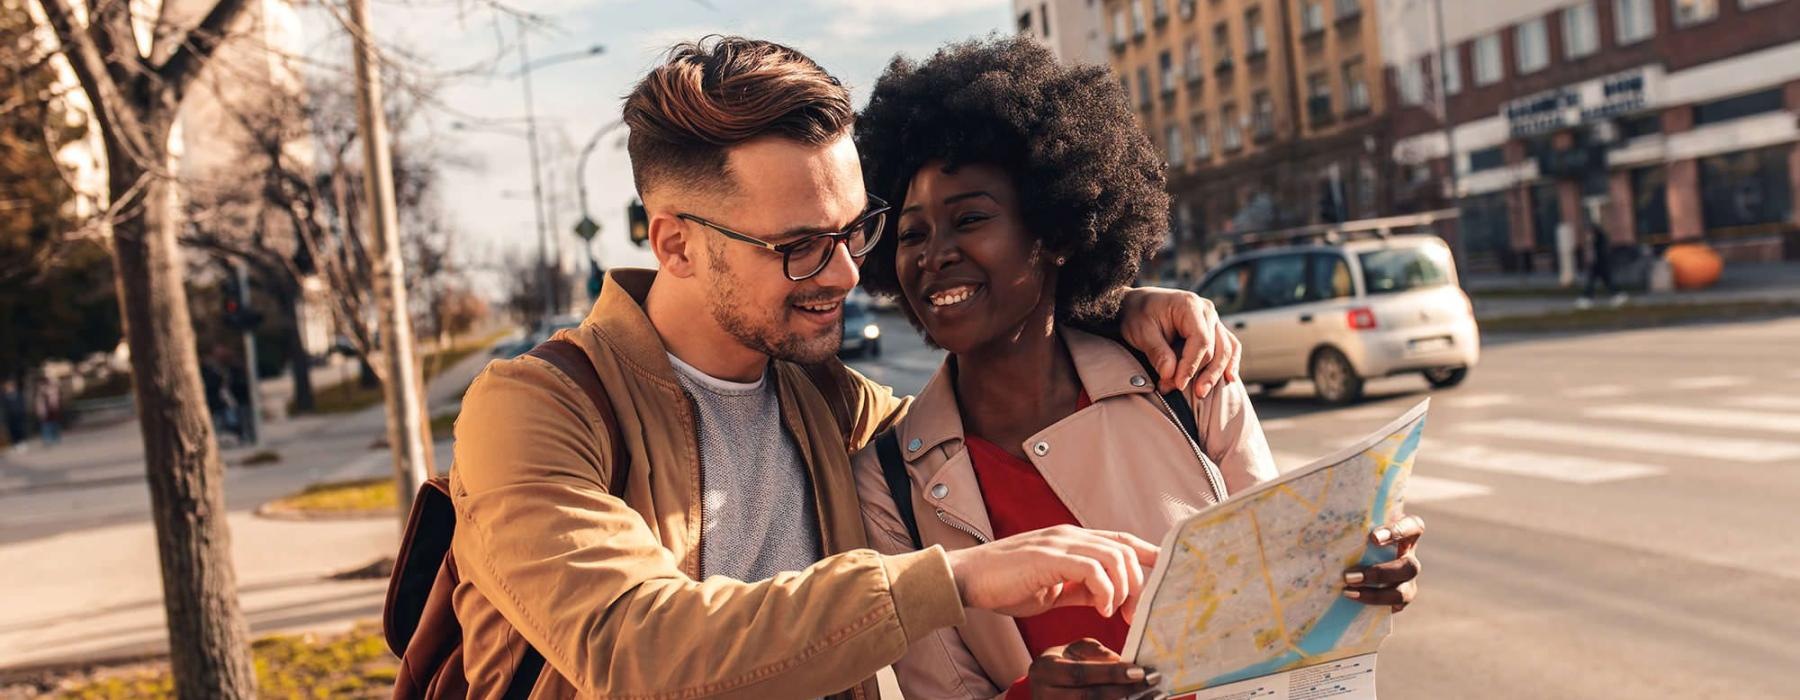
(1262, 555)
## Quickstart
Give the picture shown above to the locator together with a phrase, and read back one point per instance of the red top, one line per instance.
(1019, 500)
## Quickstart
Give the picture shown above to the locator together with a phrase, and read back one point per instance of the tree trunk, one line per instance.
(208, 640)
(299, 361)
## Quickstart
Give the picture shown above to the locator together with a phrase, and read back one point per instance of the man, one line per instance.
(1599, 269)
(733, 561)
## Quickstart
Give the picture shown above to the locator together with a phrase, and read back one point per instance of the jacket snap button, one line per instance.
(914, 444)
(1138, 380)
(940, 491)
(1041, 449)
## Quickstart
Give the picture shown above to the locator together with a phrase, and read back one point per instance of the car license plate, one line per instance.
(1428, 344)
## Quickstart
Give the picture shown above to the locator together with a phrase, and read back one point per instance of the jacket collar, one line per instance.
(618, 316)
(1106, 369)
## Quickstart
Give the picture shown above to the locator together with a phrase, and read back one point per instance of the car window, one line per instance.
(1280, 280)
(1401, 269)
(1329, 278)
(1226, 289)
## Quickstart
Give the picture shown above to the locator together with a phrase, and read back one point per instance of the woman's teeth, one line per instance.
(953, 296)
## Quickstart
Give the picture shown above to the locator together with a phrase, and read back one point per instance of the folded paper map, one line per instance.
(1247, 600)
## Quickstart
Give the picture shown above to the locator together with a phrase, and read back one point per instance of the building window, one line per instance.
(1118, 26)
(1202, 140)
(1191, 60)
(1487, 224)
(1738, 107)
(1581, 33)
(1312, 17)
(1234, 130)
(1635, 20)
(1753, 4)
(1688, 13)
(1186, 8)
(1044, 17)
(1222, 45)
(1532, 44)
(1318, 97)
(1356, 90)
(1411, 83)
(1025, 22)
(1160, 10)
(1746, 188)
(1639, 126)
(1263, 123)
(1650, 201)
(1487, 60)
(1137, 19)
(1348, 8)
(1172, 137)
(1166, 63)
(1486, 159)
(1257, 43)
(1143, 86)
(1452, 66)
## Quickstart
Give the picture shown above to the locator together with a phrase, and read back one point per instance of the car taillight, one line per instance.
(1361, 319)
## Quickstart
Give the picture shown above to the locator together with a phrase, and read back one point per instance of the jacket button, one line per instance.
(914, 444)
(940, 491)
(1041, 449)
(1138, 380)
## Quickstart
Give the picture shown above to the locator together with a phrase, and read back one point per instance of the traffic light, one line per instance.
(639, 221)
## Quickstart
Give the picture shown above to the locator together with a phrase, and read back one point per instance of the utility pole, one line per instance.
(405, 405)
(1443, 109)
(537, 183)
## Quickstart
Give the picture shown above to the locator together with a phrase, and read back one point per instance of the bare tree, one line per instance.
(136, 96)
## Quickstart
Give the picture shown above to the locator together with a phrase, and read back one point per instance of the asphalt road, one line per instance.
(1611, 515)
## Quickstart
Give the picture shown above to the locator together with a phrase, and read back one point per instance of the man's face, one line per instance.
(785, 191)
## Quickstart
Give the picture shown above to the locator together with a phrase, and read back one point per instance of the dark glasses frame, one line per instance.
(876, 215)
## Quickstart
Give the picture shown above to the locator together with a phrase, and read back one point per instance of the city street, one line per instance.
(1610, 515)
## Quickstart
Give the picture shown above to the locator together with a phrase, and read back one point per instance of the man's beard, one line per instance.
(762, 329)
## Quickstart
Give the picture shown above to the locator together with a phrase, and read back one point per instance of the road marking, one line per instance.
(1427, 489)
(1660, 442)
(1481, 400)
(1600, 391)
(1791, 403)
(1555, 467)
(1708, 382)
(1278, 424)
(1709, 417)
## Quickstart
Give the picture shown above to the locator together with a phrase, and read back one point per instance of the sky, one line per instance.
(487, 193)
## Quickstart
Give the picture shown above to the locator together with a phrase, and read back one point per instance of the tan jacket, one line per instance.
(605, 588)
(1122, 463)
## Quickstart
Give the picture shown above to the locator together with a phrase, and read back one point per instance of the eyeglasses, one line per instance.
(804, 258)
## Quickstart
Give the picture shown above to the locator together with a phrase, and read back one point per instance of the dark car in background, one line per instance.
(862, 330)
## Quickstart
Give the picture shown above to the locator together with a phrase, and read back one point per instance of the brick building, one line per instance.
(1271, 112)
(1662, 120)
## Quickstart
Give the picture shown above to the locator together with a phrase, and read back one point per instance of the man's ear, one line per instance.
(669, 240)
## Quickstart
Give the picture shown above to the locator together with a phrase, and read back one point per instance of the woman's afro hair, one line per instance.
(1090, 183)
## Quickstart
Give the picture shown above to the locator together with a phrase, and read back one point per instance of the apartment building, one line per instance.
(1071, 28)
(1660, 120)
(1271, 112)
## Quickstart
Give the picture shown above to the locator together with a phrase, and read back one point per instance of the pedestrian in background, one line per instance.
(1599, 269)
(12, 404)
(49, 411)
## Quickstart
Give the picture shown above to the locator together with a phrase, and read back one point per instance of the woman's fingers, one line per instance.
(1400, 595)
(1384, 575)
(1404, 532)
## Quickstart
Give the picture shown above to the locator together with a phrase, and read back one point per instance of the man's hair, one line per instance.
(718, 92)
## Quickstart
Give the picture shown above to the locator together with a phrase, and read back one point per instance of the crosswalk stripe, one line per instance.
(1660, 442)
(1708, 382)
(1791, 403)
(1601, 391)
(1556, 467)
(1481, 400)
(1278, 424)
(1427, 489)
(1709, 417)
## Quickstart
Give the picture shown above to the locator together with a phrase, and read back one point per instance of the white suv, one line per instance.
(1342, 313)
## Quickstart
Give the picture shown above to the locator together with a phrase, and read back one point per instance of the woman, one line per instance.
(1027, 199)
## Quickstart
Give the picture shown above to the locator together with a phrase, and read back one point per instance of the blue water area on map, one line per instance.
(1336, 621)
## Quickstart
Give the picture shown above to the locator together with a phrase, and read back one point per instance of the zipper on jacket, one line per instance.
(961, 527)
(1206, 465)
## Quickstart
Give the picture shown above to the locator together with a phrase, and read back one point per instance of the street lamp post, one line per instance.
(531, 137)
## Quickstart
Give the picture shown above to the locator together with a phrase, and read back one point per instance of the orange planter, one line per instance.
(1695, 265)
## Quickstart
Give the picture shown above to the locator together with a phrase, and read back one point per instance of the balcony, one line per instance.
(1195, 77)
(1318, 110)
(1256, 54)
(1224, 66)
(1348, 12)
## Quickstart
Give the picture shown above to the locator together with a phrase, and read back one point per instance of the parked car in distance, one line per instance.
(542, 332)
(1342, 313)
(862, 331)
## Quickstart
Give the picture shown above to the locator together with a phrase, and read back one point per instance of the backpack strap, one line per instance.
(828, 377)
(893, 470)
(573, 362)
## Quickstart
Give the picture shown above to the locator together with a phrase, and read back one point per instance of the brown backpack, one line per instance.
(419, 619)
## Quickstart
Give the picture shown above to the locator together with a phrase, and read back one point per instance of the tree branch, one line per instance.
(184, 64)
(87, 58)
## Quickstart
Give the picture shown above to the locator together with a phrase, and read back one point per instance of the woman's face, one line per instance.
(967, 267)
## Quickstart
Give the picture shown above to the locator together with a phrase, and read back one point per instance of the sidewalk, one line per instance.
(78, 558)
(1511, 296)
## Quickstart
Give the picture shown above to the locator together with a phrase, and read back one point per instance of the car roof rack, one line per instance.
(1342, 232)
